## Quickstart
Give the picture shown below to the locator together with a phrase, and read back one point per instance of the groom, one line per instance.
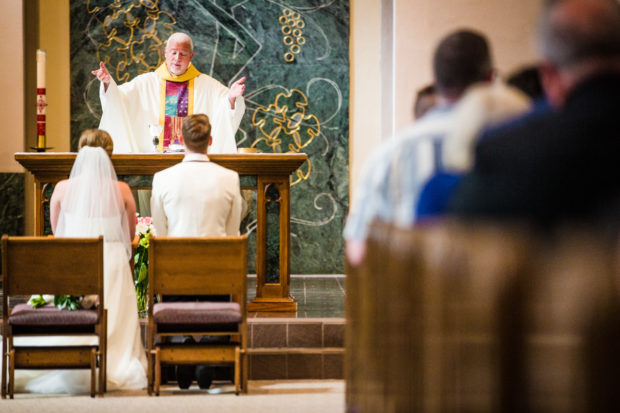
(196, 198)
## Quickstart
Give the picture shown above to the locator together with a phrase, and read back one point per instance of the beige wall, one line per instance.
(54, 38)
(415, 27)
(420, 24)
(365, 81)
(11, 85)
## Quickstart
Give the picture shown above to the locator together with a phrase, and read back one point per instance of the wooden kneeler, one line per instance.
(57, 266)
(197, 266)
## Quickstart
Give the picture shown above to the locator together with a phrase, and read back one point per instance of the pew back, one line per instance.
(57, 266)
(482, 317)
(197, 266)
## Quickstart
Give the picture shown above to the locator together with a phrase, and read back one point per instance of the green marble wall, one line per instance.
(295, 56)
(11, 204)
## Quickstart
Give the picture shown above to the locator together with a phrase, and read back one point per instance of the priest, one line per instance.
(144, 115)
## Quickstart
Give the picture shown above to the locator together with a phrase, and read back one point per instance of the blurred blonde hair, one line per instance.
(96, 138)
(483, 105)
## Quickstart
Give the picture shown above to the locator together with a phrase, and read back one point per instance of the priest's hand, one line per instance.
(103, 75)
(236, 89)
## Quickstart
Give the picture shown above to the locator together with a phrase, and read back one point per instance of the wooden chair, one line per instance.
(58, 266)
(197, 266)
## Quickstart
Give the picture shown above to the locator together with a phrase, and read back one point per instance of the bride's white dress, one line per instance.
(126, 360)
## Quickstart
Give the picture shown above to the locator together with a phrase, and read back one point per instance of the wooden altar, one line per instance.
(268, 174)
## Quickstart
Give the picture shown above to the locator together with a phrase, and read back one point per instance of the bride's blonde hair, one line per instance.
(96, 138)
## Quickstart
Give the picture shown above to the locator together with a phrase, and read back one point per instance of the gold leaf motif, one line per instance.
(132, 41)
(286, 123)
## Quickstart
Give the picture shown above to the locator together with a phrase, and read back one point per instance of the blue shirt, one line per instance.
(393, 176)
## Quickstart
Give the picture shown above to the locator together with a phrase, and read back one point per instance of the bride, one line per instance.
(90, 203)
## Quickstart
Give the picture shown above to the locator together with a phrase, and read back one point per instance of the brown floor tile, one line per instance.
(268, 335)
(305, 334)
(333, 334)
(307, 366)
(333, 366)
(267, 366)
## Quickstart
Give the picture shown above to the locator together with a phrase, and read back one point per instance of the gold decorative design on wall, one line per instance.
(292, 25)
(134, 35)
(285, 124)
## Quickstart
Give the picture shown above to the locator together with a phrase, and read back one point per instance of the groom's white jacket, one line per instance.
(196, 198)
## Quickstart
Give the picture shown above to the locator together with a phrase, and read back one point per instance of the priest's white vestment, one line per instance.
(133, 108)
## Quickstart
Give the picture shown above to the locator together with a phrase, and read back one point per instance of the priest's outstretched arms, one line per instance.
(145, 114)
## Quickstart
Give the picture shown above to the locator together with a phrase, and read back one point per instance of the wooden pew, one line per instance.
(481, 317)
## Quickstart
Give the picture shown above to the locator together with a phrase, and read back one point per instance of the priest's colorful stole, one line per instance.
(176, 109)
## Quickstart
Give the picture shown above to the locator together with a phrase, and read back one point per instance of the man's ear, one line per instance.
(210, 140)
(552, 83)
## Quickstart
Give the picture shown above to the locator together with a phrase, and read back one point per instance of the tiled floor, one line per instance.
(318, 296)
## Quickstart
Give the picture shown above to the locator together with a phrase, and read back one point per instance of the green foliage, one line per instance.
(140, 271)
(37, 302)
(62, 302)
(67, 302)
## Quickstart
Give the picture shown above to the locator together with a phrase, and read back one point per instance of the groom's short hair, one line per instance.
(196, 132)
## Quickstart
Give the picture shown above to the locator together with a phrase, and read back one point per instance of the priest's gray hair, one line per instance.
(181, 37)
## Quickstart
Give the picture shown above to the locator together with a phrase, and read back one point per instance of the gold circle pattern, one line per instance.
(292, 23)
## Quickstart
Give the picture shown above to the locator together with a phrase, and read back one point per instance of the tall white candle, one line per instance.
(41, 101)
(40, 69)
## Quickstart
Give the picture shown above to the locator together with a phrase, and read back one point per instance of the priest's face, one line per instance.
(178, 55)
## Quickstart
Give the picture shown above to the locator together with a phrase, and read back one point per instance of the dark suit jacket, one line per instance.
(556, 167)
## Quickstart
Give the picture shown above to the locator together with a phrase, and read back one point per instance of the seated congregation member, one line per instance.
(561, 166)
(483, 106)
(425, 101)
(394, 174)
(90, 203)
(196, 198)
(527, 80)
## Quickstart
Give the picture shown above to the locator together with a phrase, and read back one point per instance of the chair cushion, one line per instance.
(199, 313)
(48, 315)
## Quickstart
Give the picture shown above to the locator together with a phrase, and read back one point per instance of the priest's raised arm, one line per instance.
(145, 114)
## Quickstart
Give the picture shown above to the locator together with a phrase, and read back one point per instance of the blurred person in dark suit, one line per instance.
(527, 79)
(560, 166)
